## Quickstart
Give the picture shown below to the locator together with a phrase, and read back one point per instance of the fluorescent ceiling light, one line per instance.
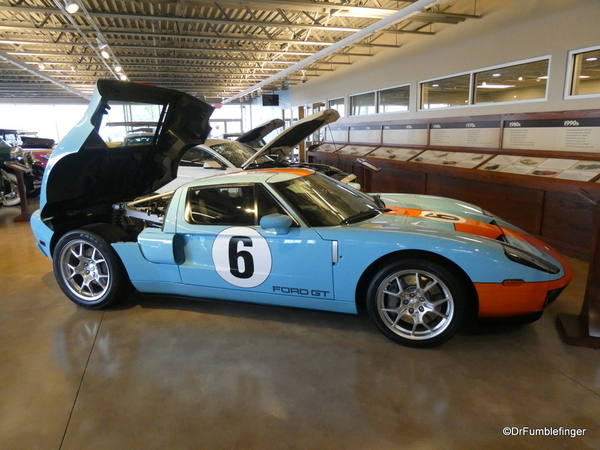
(363, 13)
(591, 58)
(496, 75)
(101, 43)
(105, 54)
(71, 7)
(495, 86)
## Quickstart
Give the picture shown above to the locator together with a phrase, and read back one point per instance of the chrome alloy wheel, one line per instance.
(84, 270)
(415, 304)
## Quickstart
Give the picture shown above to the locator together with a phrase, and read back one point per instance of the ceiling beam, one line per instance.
(123, 58)
(406, 13)
(308, 5)
(213, 21)
(31, 70)
(198, 37)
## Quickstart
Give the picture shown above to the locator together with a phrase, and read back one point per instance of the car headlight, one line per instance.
(527, 259)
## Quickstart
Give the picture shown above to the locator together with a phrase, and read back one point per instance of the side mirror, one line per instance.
(211, 165)
(280, 222)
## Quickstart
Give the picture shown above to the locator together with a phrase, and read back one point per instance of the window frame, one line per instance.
(350, 109)
(377, 102)
(255, 187)
(502, 66)
(343, 99)
(472, 73)
(570, 74)
(420, 107)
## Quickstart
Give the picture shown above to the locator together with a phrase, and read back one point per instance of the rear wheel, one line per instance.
(417, 303)
(88, 269)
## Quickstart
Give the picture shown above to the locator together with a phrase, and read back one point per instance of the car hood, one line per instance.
(84, 173)
(445, 216)
(437, 204)
(256, 135)
(285, 142)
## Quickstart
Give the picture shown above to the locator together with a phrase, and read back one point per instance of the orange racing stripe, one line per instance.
(468, 226)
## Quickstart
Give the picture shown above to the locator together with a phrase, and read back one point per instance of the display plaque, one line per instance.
(407, 134)
(336, 134)
(566, 169)
(569, 135)
(465, 134)
(369, 134)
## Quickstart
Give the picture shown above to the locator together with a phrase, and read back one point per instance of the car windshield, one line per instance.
(323, 201)
(237, 153)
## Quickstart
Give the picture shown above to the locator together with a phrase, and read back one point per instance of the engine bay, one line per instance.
(150, 211)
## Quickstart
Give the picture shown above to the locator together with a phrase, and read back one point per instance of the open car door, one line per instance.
(85, 172)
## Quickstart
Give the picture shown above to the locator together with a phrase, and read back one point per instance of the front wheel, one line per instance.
(417, 303)
(88, 270)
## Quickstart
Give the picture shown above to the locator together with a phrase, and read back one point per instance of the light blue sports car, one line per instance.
(420, 265)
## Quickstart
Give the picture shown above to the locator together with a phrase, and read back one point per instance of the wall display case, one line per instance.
(327, 148)
(406, 134)
(482, 134)
(540, 174)
(565, 169)
(359, 150)
(336, 133)
(567, 135)
(458, 159)
(398, 154)
(366, 134)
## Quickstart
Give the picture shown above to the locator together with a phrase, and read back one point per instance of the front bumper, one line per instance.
(42, 234)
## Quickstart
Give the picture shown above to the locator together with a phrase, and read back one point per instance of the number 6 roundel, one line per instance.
(242, 257)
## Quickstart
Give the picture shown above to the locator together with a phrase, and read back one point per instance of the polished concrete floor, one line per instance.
(164, 373)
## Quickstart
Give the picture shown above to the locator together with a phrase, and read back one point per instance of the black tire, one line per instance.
(88, 269)
(417, 303)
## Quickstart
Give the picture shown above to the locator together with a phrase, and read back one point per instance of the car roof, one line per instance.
(250, 176)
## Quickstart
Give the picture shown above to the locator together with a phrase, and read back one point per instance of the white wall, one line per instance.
(509, 31)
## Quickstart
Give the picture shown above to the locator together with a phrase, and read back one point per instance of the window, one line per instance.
(324, 202)
(237, 153)
(585, 73)
(230, 205)
(526, 81)
(11, 137)
(338, 104)
(393, 100)
(445, 92)
(197, 157)
(128, 120)
(362, 104)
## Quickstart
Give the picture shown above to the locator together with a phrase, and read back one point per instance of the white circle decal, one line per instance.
(242, 257)
(442, 216)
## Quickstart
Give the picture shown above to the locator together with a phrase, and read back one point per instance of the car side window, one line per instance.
(230, 205)
(197, 157)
